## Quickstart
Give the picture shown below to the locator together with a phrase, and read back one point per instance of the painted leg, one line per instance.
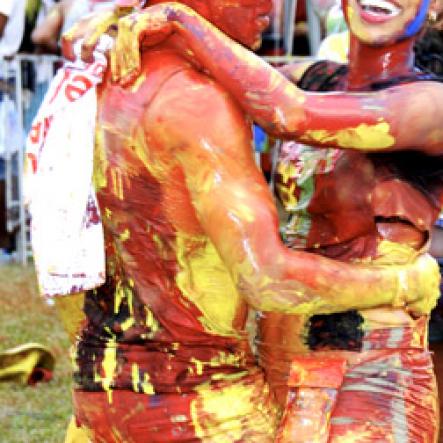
(76, 434)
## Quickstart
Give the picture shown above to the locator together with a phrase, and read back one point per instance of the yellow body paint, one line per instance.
(151, 322)
(135, 375)
(117, 183)
(125, 235)
(227, 407)
(100, 161)
(204, 280)
(222, 359)
(364, 137)
(119, 295)
(146, 385)
(109, 366)
(130, 321)
(136, 85)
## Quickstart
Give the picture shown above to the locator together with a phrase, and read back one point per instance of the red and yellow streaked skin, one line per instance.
(366, 122)
(192, 241)
(184, 218)
(232, 209)
(369, 122)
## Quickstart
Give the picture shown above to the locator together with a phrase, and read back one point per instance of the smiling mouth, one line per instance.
(381, 8)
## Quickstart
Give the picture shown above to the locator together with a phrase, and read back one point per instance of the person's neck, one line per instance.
(370, 64)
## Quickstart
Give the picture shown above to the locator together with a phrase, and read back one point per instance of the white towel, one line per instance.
(66, 228)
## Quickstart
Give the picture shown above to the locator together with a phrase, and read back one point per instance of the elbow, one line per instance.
(249, 290)
(258, 277)
(253, 283)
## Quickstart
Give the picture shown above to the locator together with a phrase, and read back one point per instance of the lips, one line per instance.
(378, 11)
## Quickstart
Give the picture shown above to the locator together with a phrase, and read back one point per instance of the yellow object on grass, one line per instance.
(27, 364)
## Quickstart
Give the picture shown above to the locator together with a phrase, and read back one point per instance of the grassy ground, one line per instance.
(40, 414)
(32, 414)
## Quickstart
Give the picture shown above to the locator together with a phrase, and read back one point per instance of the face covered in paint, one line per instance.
(383, 22)
(242, 20)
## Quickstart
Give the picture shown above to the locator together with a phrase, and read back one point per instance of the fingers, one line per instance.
(90, 30)
(67, 43)
(429, 288)
(89, 45)
(102, 25)
(135, 33)
(125, 56)
(423, 307)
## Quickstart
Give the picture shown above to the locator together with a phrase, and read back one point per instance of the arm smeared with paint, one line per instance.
(365, 121)
(91, 27)
(235, 210)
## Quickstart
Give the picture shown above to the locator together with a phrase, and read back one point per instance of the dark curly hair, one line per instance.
(429, 52)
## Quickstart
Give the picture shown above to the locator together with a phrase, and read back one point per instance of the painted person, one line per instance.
(372, 197)
(192, 241)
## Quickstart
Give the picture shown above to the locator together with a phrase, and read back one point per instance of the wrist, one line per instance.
(400, 297)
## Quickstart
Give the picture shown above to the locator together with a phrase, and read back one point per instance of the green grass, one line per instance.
(32, 414)
(38, 414)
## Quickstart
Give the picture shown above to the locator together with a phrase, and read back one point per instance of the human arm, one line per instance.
(401, 117)
(235, 210)
(47, 33)
(90, 28)
(3, 21)
(5, 12)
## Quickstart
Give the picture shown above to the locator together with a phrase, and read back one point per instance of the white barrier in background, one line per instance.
(25, 103)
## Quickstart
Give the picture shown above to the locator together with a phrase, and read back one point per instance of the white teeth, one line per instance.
(381, 6)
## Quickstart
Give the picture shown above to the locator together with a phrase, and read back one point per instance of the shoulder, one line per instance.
(190, 103)
(418, 90)
(419, 121)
